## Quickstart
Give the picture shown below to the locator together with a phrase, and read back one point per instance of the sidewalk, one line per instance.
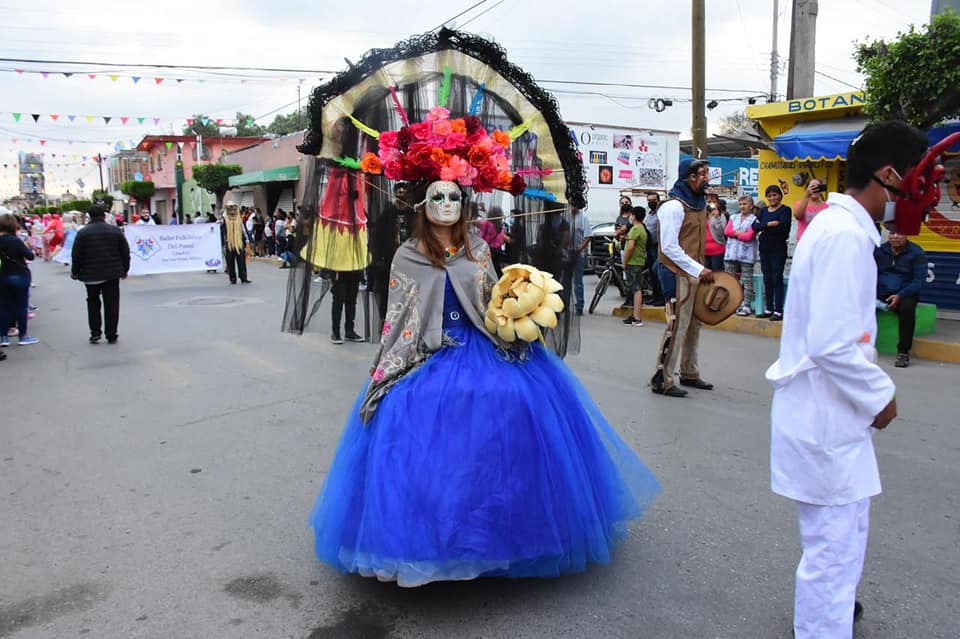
(942, 346)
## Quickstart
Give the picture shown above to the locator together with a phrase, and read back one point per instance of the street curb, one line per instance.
(923, 347)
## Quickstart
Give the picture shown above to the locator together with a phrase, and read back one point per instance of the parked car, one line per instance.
(597, 249)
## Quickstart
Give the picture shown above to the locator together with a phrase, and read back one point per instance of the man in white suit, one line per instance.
(830, 394)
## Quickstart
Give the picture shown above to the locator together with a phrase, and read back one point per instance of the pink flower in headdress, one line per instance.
(379, 374)
(442, 128)
(389, 142)
(387, 327)
(458, 170)
(456, 142)
(393, 170)
(438, 113)
(421, 130)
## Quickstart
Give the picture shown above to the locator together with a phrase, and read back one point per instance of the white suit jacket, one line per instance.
(827, 385)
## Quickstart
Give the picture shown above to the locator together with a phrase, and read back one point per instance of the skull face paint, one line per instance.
(443, 203)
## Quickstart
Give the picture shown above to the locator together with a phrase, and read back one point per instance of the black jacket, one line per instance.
(100, 253)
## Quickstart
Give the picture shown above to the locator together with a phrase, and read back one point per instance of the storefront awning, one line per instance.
(818, 140)
(279, 174)
(941, 131)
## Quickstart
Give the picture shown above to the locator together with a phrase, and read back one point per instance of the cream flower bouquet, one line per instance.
(522, 301)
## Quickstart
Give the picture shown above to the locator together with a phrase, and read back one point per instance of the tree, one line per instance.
(102, 196)
(915, 77)
(734, 123)
(286, 124)
(77, 205)
(247, 126)
(141, 191)
(202, 125)
(216, 178)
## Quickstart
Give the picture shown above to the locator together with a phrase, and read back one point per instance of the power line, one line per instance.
(665, 87)
(837, 80)
(166, 66)
(467, 10)
(482, 13)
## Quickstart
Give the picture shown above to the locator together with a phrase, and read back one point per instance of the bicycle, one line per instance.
(612, 271)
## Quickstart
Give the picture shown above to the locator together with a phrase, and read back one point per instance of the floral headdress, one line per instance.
(439, 148)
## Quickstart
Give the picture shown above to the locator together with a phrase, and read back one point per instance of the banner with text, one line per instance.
(174, 248)
(617, 158)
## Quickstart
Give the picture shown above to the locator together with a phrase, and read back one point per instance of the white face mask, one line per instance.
(443, 203)
(890, 208)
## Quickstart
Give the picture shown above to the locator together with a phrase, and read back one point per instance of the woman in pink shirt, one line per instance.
(809, 205)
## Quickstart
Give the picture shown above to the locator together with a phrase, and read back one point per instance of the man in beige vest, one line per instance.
(683, 228)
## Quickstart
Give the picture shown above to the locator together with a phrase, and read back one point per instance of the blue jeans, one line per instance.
(14, 296)
(772, 263)
(714, 262)
(668, 281)
(578, 279)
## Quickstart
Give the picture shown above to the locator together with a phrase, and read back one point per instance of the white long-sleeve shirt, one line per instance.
(670, 215)
(828, 386)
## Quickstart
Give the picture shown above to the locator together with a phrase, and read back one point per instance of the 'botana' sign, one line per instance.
(825, 102)
(173, 248)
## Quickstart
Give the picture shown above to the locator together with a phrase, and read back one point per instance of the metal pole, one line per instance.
(298, 107)
(774, 57)
(699, 128)
(100, 164)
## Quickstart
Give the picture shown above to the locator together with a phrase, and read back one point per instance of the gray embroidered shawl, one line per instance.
(413, 326)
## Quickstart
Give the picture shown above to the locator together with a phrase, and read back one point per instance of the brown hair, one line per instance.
(432, 247)
(8, 223)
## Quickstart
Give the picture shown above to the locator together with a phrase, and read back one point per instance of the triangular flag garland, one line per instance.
(169, 145)
(136, 79)
(35, 116)
(140, 120)
(54, 117)
(16, 116)
(123, 119)
(71, 117)
(158, 80)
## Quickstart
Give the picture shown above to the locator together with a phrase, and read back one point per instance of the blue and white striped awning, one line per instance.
(819, 140)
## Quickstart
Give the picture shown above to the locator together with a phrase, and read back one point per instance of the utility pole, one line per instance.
(298, 106)
(699, 128)
(774, 57)
(100, 165)
(803, 40)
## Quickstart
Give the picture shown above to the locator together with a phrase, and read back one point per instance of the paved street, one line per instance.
(160, 488)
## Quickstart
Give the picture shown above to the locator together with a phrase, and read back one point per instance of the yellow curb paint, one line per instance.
(923, 348)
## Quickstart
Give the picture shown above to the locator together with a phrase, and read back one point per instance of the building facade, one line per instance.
(162, 153)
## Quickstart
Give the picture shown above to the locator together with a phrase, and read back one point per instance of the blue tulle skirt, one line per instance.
(478, 466)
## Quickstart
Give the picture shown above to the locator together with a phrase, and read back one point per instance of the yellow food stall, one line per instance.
(810, 137)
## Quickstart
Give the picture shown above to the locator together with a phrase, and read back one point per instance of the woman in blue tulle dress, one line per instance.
(466, 456)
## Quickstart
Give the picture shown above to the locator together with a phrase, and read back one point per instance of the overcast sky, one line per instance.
(615, 41)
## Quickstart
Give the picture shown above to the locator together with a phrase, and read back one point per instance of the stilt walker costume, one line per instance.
(432, 479)
(234, 244)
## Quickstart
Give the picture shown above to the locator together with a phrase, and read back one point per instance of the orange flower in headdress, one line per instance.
(371, 164)
(501, 138)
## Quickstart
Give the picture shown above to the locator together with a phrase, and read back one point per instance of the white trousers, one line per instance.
(834, 543)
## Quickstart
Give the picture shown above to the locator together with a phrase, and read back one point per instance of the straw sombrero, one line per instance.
(718, 300)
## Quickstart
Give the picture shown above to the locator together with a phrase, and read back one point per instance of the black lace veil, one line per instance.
(352, 221)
